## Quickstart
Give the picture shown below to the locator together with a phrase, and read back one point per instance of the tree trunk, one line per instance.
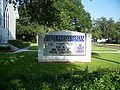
(37, 38)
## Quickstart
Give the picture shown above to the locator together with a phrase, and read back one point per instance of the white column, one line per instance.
(1, 12)
(12, 22)
(88, 47)
(40, 47)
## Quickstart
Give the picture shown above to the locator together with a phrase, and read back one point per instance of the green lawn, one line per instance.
(33, 46)
(27, 62)
(22, 70)
(95, 47)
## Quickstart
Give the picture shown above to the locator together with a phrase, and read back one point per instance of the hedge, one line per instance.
(19, 43)
(102, 79)
(5, 49)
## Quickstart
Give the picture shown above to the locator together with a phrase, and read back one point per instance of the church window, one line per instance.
(4, 19)
(0, 20)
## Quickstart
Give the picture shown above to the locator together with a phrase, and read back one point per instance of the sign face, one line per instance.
(65, 45)
(65, 38)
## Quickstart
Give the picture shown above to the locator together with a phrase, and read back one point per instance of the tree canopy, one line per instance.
(106, 28)
(41, 16)
(55, 14)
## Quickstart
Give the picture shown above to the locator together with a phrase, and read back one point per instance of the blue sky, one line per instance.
(105, 8)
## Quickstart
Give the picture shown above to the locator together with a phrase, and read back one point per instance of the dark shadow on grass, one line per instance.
(97, 56)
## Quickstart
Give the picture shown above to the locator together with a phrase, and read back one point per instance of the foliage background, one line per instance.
(42, 16)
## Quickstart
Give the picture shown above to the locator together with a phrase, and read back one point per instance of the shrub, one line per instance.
(103, 79)
(19, 43)
(5, 49)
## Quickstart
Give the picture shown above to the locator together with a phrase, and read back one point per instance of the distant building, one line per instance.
(101, 40)
(8, 16)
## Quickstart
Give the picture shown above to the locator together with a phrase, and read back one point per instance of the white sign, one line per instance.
(64, 46)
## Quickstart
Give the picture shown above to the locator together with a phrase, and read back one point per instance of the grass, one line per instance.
(106, 60)
(27, 62)
(33, 46)
(23, 67)
(95, 47)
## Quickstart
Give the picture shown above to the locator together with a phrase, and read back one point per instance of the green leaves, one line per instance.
(106, 28)
(42, 16)
(70, 9)
(56, 13)
(101, 79)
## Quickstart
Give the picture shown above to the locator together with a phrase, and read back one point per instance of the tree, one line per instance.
(36, 15)
(56, 14)
(96, 31)
(106, 28)
(71, 10)
(117, 33)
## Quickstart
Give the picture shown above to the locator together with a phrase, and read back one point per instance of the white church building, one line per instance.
(8, 16)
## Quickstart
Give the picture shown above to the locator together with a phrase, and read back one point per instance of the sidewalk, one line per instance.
(24, 50)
